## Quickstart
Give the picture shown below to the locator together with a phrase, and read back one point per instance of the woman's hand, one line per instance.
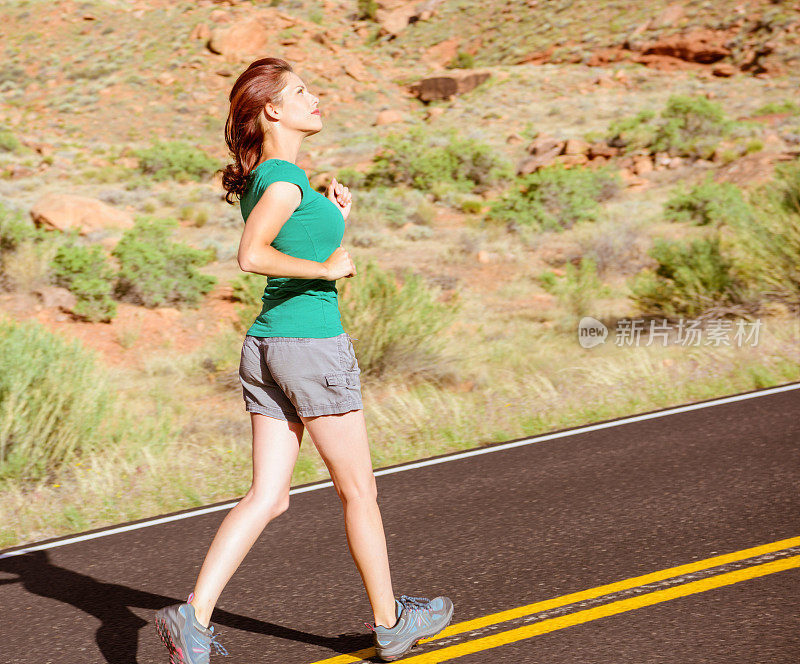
(339, 264)
(340, 196)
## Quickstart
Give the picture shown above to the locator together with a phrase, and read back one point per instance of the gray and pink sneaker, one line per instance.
(186, 639)
(417, 618)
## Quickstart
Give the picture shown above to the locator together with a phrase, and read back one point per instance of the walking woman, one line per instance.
(298, 367)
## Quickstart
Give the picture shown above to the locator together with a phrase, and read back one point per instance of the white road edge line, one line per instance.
(418, 464)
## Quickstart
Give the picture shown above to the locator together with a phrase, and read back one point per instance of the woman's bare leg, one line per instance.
(342, 443)
(276, 444)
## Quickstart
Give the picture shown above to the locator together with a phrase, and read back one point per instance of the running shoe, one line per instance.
(417, 618)
(184, 636)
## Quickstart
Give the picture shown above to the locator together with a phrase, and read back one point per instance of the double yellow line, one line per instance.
(586, 615)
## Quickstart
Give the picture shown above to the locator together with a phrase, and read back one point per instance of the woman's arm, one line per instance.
(266, 219)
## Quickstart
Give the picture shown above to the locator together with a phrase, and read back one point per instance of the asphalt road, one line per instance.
(507, 528)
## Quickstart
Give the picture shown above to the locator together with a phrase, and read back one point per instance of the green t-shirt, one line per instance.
(296, 307)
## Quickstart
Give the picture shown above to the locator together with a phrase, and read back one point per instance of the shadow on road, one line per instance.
(118, 634)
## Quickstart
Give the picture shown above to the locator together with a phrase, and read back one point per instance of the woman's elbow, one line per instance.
(245, 264)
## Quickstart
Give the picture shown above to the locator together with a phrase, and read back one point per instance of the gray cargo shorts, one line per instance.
(285, 377)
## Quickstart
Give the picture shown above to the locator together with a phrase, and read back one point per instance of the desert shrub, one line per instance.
(785, 106)
(8, 141)
(25, 250)
(397, 326)
(421, 161)
(462, 60)
(769, 239)
(383, 206)
(576, 290)
(56, 404)
(691, 126)
(367, 9)
(86, 273)
(155, 271)
(16, 228)
(175, 160)
(555, 197)
(784, 189)
(706, 203)
(687, 127)
(615, 246)
(691, 279)
(350, 177)
(634, 132)
(248, 288)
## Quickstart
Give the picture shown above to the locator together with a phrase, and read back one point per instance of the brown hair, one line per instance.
(260, 83)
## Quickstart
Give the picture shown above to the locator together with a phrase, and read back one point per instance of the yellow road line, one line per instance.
(620, 606)
(571, 598)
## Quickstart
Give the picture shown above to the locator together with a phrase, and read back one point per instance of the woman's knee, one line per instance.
(268, 503)
(359, 491)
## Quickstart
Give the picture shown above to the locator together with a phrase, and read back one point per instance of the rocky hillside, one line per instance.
(86, 84)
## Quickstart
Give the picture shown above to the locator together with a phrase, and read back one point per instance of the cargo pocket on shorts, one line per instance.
(343, 378)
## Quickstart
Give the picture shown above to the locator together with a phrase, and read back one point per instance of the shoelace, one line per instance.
(219, 647)
(411, 603)
(415, 603)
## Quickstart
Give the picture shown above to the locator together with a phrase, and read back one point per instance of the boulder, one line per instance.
(55, 296)
(699, 45)
(576, 146)
(64, 212)
(545, 143)
(388, 116)
(539, 161)
(239, 40)
(394, 16)
(571, 159)
(443, 87)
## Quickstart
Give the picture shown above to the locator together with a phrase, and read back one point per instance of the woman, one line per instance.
(298, 366)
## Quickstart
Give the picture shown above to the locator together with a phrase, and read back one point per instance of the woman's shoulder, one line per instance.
(275, 170)
(275, 167)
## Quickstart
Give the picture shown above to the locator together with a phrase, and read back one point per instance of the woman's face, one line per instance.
(299, 108)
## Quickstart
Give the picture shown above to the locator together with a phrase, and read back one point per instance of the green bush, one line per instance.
(397, 327)
(248, 288)
(706, 203)
(555, 197)
(155, 271)
(16, 228)
(175, 160)
(462, 60)
(691, 279)
(576, 290)
(784, 190)
(769, 239)
(86, 273)
(632, 133)
(423, 161)
(25, 250)
(56, 404)
(350, 177)
(8, 142)
(367, 9)
(786, 106)
(686, 127)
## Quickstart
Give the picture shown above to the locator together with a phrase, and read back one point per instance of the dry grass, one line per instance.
(524, 381)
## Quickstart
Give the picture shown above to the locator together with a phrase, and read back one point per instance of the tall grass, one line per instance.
(770, 239)
(397, 326)
(55, 405)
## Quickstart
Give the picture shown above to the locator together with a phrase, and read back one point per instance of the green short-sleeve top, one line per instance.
(295, 307)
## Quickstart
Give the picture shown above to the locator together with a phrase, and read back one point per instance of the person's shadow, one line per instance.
(118, 634)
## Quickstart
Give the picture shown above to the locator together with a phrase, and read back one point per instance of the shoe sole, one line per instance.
(175, 652)
(391, 658)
